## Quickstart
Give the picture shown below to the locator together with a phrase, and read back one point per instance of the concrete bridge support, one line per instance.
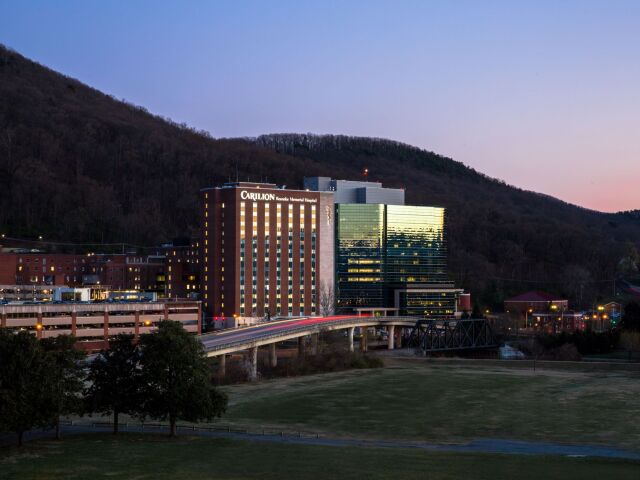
(364, 332)
(351, 330)
(273, 356)
(222, 366)
(391, 330)
(315, 341)
(300, 346)
(253, 364)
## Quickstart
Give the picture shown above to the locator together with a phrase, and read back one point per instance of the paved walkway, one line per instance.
(509, 447)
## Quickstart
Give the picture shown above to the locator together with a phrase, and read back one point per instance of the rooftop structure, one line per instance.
(535, 297)
(349, 191)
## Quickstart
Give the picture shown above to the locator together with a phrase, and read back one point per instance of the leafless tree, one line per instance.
(327, 299)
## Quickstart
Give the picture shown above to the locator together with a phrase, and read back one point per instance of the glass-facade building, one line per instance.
(393, 256)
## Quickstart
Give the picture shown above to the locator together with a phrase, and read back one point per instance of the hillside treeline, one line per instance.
(78, 165)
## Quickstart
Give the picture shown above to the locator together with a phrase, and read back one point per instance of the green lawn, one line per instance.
(155, 457)
(439, 403)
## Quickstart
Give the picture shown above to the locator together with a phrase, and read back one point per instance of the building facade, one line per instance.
(390, 257)
(169, 271)
(37, 268)
(94, 323)
(183, 269)
(393, 256)
(265, 251)
(523, 305)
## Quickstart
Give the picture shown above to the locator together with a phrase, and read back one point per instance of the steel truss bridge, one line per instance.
(449, 335)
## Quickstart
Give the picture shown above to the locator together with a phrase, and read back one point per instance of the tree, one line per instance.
(176, 380)
(26, 391)
(575, 277)
(631, 317)
(115, 379)
(66, 376)
(476, 312)
(327, 299)
(630, 341)
(628, 264)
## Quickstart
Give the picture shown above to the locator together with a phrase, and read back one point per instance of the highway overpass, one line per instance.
(435, 335)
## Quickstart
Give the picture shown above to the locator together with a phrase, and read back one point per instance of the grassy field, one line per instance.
(155, 457)
(439, 403)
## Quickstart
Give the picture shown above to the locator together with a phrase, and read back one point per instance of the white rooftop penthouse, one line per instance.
(350, 191)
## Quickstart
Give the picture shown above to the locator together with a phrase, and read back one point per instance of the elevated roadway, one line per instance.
(233, 340)
(430, 335)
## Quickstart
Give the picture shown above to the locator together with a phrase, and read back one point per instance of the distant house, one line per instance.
(613, 310)
(535, 301)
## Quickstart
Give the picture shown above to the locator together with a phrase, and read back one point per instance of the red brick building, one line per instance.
(31, 268)
(128, 272)
(264, 250)
(116, 271)
(536, 301)
(182, 270)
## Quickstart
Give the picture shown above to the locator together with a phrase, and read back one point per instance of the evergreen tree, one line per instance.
(176, 377)
(631, 317)
(26, 389)
(66, 376)
(115, 379)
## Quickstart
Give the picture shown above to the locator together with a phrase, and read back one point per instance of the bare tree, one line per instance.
(630, 341)
(327, 299)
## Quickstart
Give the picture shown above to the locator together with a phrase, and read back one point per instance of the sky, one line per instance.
(542, 94)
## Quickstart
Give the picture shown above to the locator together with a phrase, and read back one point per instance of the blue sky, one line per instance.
(544, 94)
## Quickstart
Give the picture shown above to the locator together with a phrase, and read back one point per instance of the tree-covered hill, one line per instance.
(79, 165)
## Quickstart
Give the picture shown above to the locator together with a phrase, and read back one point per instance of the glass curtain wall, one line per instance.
(360, 255)
(381, 248)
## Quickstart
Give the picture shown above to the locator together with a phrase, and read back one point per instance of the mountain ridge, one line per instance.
(79, 165)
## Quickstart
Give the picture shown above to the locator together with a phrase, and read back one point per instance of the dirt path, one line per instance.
(499, 446)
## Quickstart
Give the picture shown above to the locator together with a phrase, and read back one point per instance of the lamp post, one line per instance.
(554, 309)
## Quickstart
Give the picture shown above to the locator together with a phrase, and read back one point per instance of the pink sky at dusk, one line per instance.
(544, 95)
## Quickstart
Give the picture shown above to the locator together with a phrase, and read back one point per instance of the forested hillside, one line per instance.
(79, 165)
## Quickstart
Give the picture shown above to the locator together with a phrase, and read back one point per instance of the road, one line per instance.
(231, 340)
(245, 334)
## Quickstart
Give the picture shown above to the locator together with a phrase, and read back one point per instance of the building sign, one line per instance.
(257, 195)
(266, 197)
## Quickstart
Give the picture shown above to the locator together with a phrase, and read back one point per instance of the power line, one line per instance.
(72, 244)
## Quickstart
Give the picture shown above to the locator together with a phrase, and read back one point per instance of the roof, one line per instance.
(535, 296)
